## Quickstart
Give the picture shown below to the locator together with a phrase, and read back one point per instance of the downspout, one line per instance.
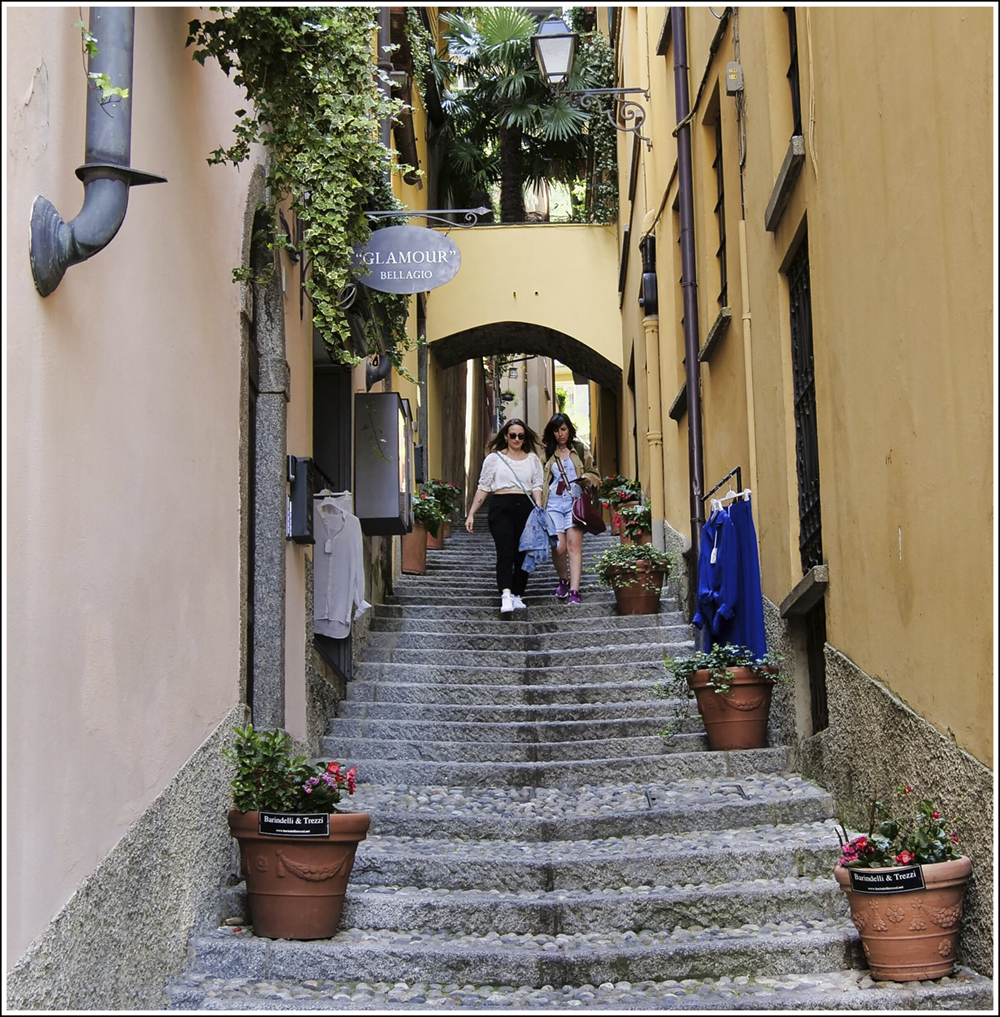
(689, 281)
(654, 416)
(54, 245)
(378, 367)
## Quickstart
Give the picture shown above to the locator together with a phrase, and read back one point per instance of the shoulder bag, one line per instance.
(586, 515)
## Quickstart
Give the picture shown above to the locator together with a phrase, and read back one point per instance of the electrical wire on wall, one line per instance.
(741, 114)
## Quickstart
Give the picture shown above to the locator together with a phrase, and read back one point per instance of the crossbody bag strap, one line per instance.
(527, 493)
(562, 470)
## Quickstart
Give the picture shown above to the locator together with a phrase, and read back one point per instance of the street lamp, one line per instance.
(555, 47)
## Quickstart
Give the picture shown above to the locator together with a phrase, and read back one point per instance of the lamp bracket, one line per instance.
(469, 215)
(632, 113)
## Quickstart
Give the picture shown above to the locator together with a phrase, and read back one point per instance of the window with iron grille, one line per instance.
(720, 214)
(793, 70)
(804, 389)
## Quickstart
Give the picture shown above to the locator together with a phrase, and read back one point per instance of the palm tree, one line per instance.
(505, 123)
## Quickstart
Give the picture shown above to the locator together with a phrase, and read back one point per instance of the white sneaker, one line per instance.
(506, 603)
(519, 605)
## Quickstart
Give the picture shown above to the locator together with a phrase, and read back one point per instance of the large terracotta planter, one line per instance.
(638, 594)
(737, 720)
(415, 551)
(296, 887)
(446, 530)
(436, 543)
(911, 935)
(643, 538)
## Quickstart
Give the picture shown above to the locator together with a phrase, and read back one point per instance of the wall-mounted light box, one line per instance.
(383, 463)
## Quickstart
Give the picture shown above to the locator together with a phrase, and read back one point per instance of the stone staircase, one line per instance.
(535, 844)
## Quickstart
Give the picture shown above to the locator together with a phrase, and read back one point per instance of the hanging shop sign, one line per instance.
(406, 259)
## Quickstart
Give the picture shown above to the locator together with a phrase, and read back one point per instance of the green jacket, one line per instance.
(585, 468)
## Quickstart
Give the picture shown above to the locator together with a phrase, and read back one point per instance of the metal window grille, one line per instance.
(720, 214)
(793, 70)
(804, 387)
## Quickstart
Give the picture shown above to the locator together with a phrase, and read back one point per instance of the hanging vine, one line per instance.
(309, 76)
(597, 195)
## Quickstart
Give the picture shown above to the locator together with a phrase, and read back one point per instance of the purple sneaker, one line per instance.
(574, 597)
(562, 590)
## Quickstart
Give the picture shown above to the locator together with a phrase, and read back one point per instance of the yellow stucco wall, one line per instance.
(559, 276)
(897, 206)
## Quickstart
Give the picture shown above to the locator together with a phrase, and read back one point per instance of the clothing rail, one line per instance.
(327, 482)
(739, 483)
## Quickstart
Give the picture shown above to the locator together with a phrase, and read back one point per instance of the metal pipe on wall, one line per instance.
(107, 175)
(689, 279)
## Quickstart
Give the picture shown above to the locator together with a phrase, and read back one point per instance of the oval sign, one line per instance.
(406, 259)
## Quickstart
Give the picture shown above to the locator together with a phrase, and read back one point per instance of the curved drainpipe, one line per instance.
(106, 173)
(689, 282)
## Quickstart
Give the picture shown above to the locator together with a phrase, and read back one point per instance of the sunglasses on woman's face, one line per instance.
(515, 437)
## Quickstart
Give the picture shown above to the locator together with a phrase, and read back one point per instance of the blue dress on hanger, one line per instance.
(746, 626)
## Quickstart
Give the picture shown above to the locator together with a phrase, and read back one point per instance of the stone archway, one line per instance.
(526, 337)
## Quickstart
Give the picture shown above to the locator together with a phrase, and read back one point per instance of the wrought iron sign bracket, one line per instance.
(469, 215)
(631, 113)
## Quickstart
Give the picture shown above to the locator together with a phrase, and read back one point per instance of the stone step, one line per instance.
(536, 713)
(519, 625)
(534, 960)
(511, 732)
(480, 912)
(507, 753)
(568, 773)
(587, 656)
(683, 859)
(384, 684)
(534, 599)
(726, 799)
(808, 992)
(567, 638)
(548, 610)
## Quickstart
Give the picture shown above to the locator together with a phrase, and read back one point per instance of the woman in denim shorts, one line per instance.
(568, 466)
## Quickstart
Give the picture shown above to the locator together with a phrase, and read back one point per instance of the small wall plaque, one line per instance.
(294, 824)
(911, 877)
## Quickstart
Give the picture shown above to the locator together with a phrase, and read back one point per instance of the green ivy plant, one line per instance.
(717, 662)
(624, 563)
(95, 79)
(313, 102)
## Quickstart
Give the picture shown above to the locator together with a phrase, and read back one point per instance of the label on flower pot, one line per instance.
(294, 824)
(911, 877)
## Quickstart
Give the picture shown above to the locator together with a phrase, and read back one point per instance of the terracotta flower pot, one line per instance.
(415, 551)
(446, 530)
(616, 507)
(737, 720)
(643, 538)
(296, 887)
(637, 593)
(911, 935)
(436, 543)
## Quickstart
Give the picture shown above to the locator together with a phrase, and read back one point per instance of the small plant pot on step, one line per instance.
(910, 935)
(737, 719)
(436, 543)
(296, 886)
(415, 551)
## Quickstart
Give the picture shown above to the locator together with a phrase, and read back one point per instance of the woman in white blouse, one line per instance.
(512, 473)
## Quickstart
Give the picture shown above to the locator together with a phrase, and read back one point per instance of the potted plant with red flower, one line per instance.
(905, 884)
(427, 520)
(296, 848)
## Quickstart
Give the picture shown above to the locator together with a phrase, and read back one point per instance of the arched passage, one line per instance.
(525, 337)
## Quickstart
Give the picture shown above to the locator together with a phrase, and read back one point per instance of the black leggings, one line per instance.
(507, 516)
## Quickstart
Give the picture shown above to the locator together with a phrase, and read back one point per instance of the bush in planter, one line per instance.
(427, 512)
(295, 883)
(908, 934)
(636, 573)
(732, 687)
(448, 496)
(635, 521)
(616, 489)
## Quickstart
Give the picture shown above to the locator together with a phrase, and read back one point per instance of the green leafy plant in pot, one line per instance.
(905, 884)
(636, 573)
(732, 687)
(635, 524)
(296, 848)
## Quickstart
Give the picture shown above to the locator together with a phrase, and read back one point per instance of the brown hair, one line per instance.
(499, 442)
